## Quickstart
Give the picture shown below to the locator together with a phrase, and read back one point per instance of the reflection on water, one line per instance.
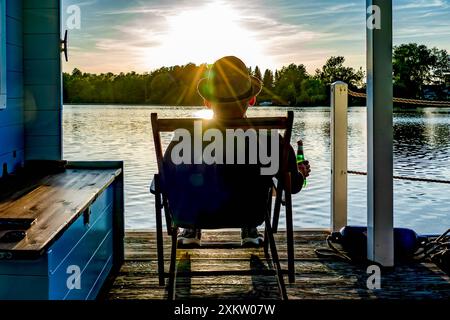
(421, 149)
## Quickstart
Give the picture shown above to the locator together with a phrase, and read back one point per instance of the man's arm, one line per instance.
(297, 178)
(298, 172)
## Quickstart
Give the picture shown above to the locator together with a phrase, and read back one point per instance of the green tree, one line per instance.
(288, 85)
(268, 86)
(268, 80)
(257, 73)
(413, 66)
(313, 92)
(334, 70)
(441, 72)
(163, 89)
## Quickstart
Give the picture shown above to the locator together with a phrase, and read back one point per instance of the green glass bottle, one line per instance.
(300, 156)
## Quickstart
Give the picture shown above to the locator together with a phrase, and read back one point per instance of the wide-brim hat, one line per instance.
(229, 81)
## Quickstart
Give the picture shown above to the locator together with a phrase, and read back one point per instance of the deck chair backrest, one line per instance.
(170, 125)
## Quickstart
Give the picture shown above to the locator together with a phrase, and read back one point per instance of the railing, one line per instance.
(339, 169)
(433, 103)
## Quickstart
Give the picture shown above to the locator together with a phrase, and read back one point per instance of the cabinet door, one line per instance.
(79, 257)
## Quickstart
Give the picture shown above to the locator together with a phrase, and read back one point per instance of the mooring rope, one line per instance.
(407, 101)
(362, 173)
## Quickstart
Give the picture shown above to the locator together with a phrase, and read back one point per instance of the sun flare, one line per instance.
(208, 33)
(204, 114)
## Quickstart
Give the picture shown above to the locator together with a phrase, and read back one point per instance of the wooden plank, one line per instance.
(42, 123)
(34, 48)
(15, 57)
(12, 115)
(55, 201)
(247, 123)
(316, 278)
(14, 33)
(14, 9)
(42, 72)
(14, 141)
(39, 20)
(42, 97)
(15, 84)
(40, 4)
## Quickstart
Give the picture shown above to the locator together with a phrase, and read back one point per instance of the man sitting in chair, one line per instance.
(228, 91)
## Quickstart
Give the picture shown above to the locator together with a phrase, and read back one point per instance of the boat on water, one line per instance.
(265, 103)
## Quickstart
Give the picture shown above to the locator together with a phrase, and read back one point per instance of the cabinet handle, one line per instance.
(87, 216)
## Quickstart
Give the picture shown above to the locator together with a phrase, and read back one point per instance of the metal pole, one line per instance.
(339, 105)
(380, 244)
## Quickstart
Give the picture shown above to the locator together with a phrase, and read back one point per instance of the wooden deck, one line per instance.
(245, 274)
(52, 200)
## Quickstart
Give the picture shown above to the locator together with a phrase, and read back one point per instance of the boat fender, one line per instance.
(353, 240)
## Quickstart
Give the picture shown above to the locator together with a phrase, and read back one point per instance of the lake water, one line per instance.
(421, 149)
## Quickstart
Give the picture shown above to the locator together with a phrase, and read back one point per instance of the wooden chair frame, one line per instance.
(283, 187)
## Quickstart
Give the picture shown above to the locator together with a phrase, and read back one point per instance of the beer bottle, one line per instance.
(301, 157)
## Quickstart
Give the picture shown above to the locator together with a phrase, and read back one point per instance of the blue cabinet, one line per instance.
(80, 258)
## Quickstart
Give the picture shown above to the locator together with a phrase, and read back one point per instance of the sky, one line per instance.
(143, 35)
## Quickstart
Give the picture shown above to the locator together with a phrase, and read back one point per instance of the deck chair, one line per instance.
(281, 189)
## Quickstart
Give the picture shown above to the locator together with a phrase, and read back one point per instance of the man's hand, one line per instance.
(304, 168)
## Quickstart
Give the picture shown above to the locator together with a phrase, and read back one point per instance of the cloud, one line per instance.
(422, 4)
(128, 35)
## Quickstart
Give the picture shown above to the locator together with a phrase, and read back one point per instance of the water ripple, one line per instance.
(421, 149)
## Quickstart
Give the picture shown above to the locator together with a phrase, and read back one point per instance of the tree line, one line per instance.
(416, 69)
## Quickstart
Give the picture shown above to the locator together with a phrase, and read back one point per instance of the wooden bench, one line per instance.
(76, 240)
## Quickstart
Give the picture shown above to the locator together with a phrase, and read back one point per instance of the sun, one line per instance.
(207, 33)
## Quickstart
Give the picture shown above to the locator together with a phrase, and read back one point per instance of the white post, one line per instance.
(380, 244)
(338, 130)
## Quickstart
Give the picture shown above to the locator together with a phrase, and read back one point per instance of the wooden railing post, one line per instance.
(338, 131)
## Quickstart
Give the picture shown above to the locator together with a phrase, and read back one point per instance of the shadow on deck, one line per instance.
(246, 274)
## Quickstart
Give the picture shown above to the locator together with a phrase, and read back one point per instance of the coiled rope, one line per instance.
(406, 101)
(435, 250)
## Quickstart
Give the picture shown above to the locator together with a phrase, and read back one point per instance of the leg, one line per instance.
(269, 208)
(276, 259)
(159, 238)
(289, 229)
(172, 269)
(167, 215)
(277, 208)
(266, 242)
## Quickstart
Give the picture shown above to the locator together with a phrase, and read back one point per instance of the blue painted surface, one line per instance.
(101, 212)
(31, 124)
(99, 261)
(42, 80)
(23, 287)
(37, 267)
(81, 255)
(13, 114)
(11, 118)
(86, 245)
(31, 128)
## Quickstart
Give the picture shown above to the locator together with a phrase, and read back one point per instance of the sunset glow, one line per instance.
(206, 34)
(144, 35)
